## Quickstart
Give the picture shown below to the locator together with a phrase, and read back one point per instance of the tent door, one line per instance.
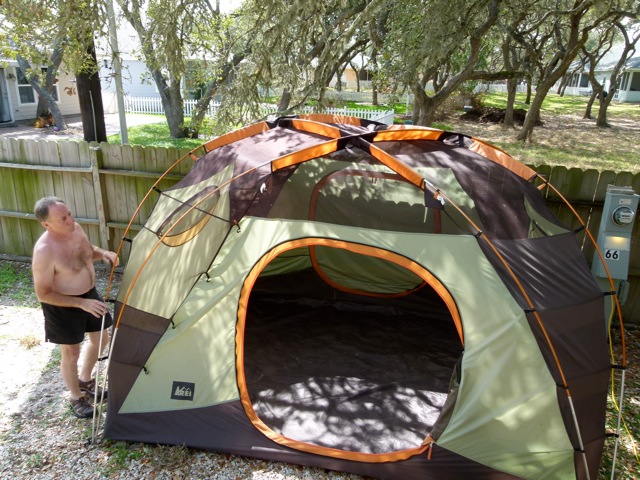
(340, 373)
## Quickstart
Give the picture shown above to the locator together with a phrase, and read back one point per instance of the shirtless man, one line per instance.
(64, 279)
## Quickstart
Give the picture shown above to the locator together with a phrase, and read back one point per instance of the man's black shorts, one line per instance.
(67, 325)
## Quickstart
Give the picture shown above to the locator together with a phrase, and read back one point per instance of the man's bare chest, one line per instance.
(74, 256)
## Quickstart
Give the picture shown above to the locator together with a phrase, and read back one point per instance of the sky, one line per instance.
(227, 6)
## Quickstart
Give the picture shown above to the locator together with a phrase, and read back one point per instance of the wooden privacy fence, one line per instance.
(104, 185)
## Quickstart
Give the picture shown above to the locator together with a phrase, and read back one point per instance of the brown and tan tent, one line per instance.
(396, 302)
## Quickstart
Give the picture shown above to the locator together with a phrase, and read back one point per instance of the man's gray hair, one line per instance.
(42, 207)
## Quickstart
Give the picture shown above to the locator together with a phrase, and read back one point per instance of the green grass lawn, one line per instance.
(157, 135)
(554, 104)
(566, 139)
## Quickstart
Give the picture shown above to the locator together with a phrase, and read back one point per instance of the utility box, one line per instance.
(614, 234)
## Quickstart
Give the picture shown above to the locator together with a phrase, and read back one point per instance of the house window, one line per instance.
(625, 81)
(635, 82)
(584, 81)
(25, 90)
(574, 80)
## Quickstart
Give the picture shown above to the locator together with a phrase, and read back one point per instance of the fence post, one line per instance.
(99, 197)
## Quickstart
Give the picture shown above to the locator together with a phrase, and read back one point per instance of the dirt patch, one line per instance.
(495, 115)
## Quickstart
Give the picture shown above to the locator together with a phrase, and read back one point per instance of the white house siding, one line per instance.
(629, 79)
(630, 93)
(67, 95)
(136, 81)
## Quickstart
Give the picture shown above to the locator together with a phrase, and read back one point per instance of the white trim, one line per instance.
(36, 97)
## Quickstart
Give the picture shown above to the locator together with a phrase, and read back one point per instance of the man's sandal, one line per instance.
(89, 387)
(81, 407)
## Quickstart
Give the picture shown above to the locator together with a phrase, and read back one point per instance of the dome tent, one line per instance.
(390, 301)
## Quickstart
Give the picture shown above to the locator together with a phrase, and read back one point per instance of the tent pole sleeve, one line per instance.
(599, 252)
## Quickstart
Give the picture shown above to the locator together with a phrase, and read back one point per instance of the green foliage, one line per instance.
(35, 460)
(16, 284)
(121, 453)
(32, 30)
(54, 360)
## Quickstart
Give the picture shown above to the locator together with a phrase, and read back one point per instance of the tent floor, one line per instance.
(364, 378)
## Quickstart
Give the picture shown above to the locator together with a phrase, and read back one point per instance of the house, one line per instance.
(629, 80)
(19, 101)
(350, 78)
(136, 81)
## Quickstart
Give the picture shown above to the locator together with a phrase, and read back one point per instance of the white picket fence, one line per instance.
(153, 105)
(499, 88)
(366, 96)
(383, 116)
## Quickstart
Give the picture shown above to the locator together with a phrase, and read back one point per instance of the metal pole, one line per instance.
(117, 72)
(615, 448)
(96, 409)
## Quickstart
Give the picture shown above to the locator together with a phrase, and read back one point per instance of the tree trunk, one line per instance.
(202, 106)
(527, 100)
(614, 79)
(58, 118)
(562, 90)
(339, 82)
(174, 111)
(587, 110)
(321, 97)
(44, 105)
(90, 97)
(172, 103)
(374, 61)
(512, 87)
(423, 106)
(285, 101)
(33, 81)
(601, 121)
(532, 115)
(562, 86)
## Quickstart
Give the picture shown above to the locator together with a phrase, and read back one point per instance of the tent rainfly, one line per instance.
(392, 301)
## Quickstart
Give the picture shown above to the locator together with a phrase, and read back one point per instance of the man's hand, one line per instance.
(94, 307)
(110, 258)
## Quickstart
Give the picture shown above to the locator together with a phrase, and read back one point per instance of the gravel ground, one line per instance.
(41, 439)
